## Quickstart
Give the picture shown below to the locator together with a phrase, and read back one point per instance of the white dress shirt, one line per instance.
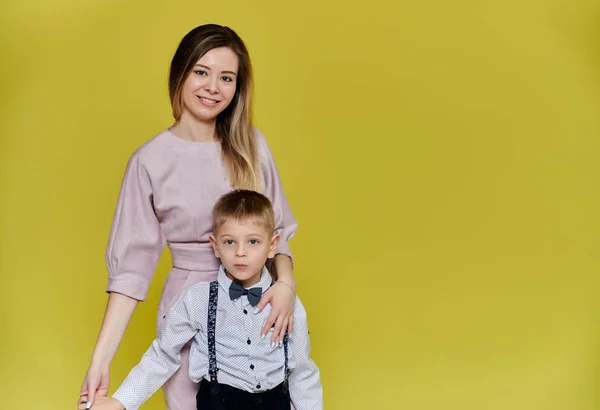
(243, 359)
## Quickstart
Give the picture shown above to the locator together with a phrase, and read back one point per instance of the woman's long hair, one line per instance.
(234, 125)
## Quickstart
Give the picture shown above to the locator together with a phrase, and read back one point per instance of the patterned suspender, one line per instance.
(287, 369)
(212, 322)
(212, 351)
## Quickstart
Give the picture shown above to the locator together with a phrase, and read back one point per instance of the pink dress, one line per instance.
(166, 198)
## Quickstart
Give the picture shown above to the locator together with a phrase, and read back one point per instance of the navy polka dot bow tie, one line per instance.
(236, 290)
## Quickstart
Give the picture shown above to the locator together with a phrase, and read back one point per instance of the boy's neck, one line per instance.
(248, 283)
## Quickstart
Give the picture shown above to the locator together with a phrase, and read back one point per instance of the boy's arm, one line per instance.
(306, 392)
(163, 358)
(101, 403)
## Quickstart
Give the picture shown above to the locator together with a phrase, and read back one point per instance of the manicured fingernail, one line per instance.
(88, 404)
(273, 344)
(262, 337)
(280, 343)
(256, 310)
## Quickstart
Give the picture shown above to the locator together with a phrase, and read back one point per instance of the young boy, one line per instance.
(236, 368)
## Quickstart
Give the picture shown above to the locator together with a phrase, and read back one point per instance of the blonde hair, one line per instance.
(234, 125)
(240, 205)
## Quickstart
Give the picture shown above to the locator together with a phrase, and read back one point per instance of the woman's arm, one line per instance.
(285, 274)
(134, 247)
(119, 310)
(281, 296)
(284, 268)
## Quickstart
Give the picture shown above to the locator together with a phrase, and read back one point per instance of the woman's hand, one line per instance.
(102, 403)
(116, 318)
(95, 385)
(282, 298)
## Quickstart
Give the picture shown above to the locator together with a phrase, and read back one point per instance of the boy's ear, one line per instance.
(274, 244)
(213, 242)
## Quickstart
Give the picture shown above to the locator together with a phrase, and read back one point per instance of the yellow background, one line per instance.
(441, 158)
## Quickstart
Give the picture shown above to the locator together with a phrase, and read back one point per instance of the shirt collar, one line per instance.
(264, 282)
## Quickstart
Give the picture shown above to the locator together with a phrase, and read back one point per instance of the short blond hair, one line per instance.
(242, 204)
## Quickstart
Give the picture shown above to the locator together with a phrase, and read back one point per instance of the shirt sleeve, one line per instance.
(285, 223)
(136, 241)
(163, 358)
(305, 387)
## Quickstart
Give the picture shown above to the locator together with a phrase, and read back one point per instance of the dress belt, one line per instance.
(194, 256)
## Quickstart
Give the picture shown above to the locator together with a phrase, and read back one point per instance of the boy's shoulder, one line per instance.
(196, 292)
(299, 310)
(198, 287)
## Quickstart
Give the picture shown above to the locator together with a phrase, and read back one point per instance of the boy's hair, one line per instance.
(242, 204)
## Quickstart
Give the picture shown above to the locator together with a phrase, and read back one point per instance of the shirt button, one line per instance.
(248, 341)
(251, 367)
(245, 312)
(258, 386)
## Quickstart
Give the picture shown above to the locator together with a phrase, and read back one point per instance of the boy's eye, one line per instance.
(228, 242)
(253, 241)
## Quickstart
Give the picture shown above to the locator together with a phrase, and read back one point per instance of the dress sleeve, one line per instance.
(136, 240)
(285, 223)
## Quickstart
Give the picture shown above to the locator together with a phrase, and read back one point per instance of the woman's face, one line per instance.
(211, 85)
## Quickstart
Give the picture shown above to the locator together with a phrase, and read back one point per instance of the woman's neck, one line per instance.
(192, 129)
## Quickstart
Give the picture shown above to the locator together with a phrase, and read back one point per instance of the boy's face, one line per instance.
(243, 247)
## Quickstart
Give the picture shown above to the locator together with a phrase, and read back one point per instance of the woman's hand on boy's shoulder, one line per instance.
(103, 403)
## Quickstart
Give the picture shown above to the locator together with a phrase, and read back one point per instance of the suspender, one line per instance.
(287, 369)
(212, 322)
(212, 351)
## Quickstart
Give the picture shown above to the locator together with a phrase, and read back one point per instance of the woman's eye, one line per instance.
(200, 72)
(227, 79)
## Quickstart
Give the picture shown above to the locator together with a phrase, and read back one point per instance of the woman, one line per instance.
(170, 186)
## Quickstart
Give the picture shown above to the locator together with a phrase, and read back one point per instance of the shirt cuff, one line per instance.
(126, 403)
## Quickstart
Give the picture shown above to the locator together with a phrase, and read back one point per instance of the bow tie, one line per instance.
(236, 290)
